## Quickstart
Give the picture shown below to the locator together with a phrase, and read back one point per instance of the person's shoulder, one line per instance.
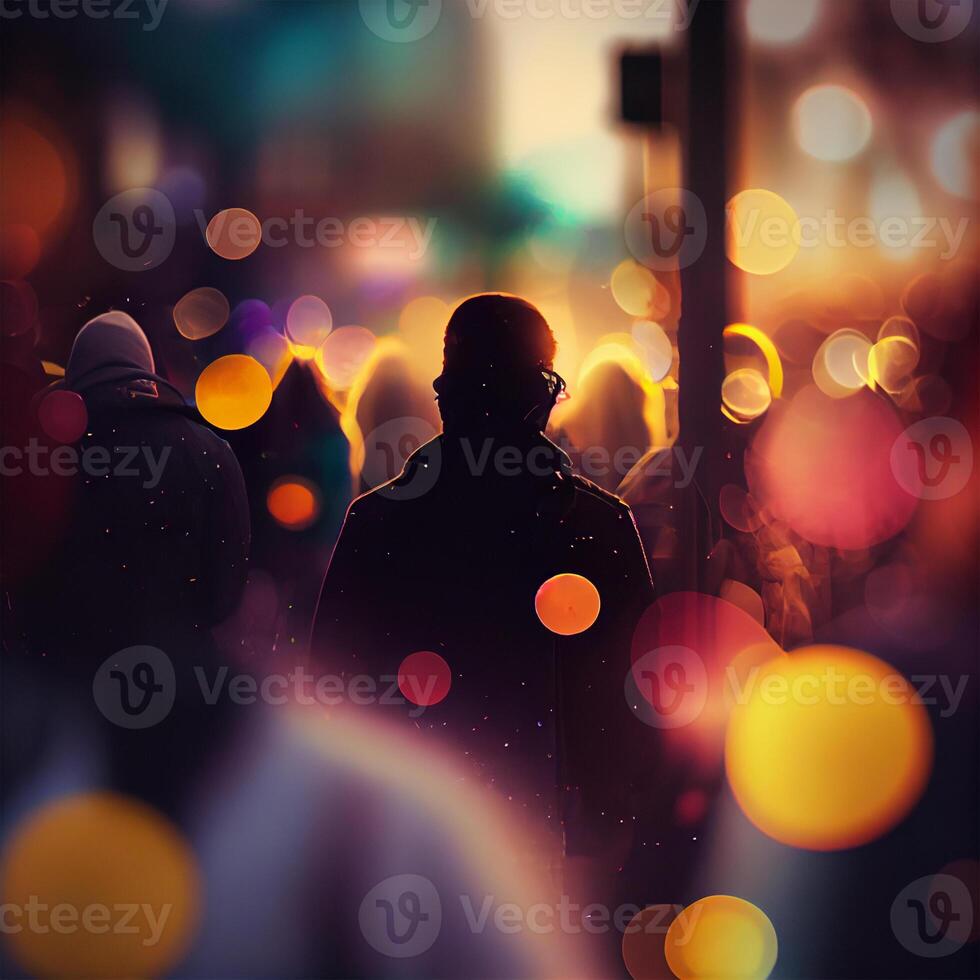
(593, 496)
(416, 480)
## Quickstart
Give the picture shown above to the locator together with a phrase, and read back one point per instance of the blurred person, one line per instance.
(448, 558)
(387, 392)
(155, 552)
(605, 423)
(299, 436)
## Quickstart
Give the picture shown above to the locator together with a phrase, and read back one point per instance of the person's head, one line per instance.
(107, 348)
(498, 366)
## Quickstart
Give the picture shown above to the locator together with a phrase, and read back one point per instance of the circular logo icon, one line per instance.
(136, 687)
(667, 230)
(388, 447)
(933, 459)
(401, 20)
(135, 230)
(932, 20)
(933, 915)
(667, 687)
(401, 916)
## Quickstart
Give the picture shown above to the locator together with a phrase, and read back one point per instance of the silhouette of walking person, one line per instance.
(449, 556)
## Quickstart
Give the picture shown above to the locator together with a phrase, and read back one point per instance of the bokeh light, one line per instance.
(738, 509)
(692, 702)
(201, 313)
(567, 604)
(234, 233)
(233, 392)
(832, 122)
(899, 326)
(293, 502)
(62, 416)
(955, 155)
(424, 678)
(422, 324)
(643, 943)
(891, 363)
(766, 347)
(721, 938)
(308, 324)
(831, 749)
(763, 232)
(780, 21)
(94, 853)
(656, 349)
(343, 354)
(823, 465)
(894, 197)
(133, 152)
(638, 292)
(20, 250)
(36, 179)
(745, 395)
(745, 598)
(271, 350)
(841, 364)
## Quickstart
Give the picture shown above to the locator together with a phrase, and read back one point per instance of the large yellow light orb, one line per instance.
(233, 392)
(763, 232)
(831, 123)
(831, 748)
(638, 292)
(721, 937)
(76, 862)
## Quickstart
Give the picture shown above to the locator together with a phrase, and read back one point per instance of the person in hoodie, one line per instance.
(155, 554)
(448, 558)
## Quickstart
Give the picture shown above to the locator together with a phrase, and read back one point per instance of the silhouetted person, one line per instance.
(606, 423)
(449, 556)
(387, 391)
(155, 551)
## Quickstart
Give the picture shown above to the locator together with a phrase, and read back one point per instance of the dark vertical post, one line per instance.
(707, 151)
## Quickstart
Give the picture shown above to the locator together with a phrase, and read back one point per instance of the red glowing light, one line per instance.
(424, 678)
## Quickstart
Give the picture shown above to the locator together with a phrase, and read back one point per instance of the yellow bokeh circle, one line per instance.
(567, 604)
(830, 748)
(721, 937)
(763, 232)
(234, 391)
(745, 395)
(100, 886)
(638, 292)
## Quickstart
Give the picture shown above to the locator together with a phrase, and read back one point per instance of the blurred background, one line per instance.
(752, 226)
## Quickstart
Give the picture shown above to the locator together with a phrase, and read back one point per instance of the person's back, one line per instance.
(449, 558)
(154, 554)
(158, 540)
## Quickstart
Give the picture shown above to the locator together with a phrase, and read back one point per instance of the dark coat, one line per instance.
(449, 558)
(156, 550)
